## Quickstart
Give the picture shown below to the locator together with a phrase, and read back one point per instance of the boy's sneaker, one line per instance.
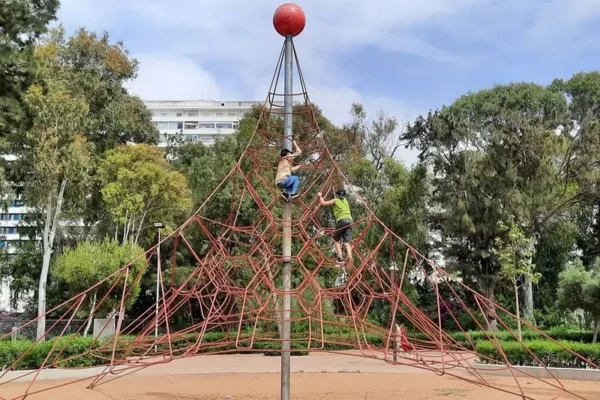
(288, 197)
(339, 261)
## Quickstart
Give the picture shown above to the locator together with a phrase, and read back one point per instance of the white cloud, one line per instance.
(182, 38)
(562, 21)
(239, 32)
(164, 77)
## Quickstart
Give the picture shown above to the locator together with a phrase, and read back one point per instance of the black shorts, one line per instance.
(343, 231)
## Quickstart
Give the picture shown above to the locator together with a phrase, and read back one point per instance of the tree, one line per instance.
(23, 21)
(579, 288)
(515, 254)
(139, 188)
(22, 270)
(89, 263)
(98, 71)
(376, 141)
(583, 92)
(553, 251)
(495, 153)
(59, 175)
(80, 109)
(398, 196)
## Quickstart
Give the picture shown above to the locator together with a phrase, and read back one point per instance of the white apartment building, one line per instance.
(198, 120)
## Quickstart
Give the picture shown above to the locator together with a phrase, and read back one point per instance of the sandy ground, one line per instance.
(347, 378)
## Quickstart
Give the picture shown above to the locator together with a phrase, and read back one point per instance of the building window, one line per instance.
(163, 125)
(179, 114)
(193, 114)
(16, 217)
(206, 125)
(222, 104)
(236, 126)
(219, 114)
(5, 217)
(176, 125)
(18, 203)
(7, 230)
(163, 114)
(190, 125)
(231, 114)
(225, 125)
(205, 114)
(239, 103)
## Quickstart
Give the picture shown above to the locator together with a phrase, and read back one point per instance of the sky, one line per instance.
(397, 56)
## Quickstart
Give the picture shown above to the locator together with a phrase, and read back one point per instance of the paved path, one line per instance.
(238, 363)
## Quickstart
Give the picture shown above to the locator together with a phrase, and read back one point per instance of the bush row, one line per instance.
(81, 352)
(549, 353)
(558, 334)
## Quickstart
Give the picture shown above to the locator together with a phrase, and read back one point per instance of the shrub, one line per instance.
(550, 354)
(80, 352)
(558, 334)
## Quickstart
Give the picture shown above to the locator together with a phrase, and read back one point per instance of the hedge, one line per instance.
(78, 352)
(81, 352)
(550, 354)
(558, 334)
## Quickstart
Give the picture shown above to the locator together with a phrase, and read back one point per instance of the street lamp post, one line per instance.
(158, 226)
(393, 272)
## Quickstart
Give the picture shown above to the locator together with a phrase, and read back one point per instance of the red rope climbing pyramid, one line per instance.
(231, 298)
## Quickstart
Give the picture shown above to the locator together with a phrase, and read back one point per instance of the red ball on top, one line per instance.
(289, 19)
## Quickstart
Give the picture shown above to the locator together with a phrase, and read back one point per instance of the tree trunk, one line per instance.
(91, 317)
(528, 307)
(596, 330)
(518, 312)
(139, 228)
(488, 284)
(50, 225)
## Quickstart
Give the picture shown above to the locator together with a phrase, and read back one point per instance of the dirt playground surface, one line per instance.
(256, 378)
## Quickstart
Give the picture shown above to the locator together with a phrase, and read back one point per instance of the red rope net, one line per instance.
(230, 300)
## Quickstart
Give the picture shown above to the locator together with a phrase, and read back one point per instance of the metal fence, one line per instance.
(55, 327)
(58, 327)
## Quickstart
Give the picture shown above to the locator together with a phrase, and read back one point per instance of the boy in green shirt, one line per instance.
(343, 223)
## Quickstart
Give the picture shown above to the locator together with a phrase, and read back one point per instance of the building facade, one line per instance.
(198, 120)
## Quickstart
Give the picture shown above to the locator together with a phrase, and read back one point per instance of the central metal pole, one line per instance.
(157, 290)
(287, 231)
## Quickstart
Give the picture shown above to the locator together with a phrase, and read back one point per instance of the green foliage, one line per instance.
(494, 154)
(22, 21)
(515, 254)
(77, 352)
(97, 69)
(24, 267)
(91, 264)
(579, 288)
(553, 251)
(139, 188)
(550, 354)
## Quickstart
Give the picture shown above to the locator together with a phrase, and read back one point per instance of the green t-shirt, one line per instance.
(341, 209)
